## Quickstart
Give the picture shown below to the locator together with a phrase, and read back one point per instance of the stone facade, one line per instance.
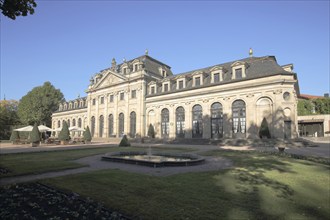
(227, 100)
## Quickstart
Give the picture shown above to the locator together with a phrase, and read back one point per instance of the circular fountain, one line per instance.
(155, 159)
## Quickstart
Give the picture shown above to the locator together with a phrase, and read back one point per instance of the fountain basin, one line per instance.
(154, 160)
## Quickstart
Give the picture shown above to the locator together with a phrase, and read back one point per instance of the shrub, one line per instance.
(124, 142)
(64, 133)
(14, 137)
(87, 135)
(151, 131)
(264, 130)
(35, 135)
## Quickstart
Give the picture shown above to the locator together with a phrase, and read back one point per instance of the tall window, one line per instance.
(132, 124)
(122, 96)
(133, 94)
(180, 119)
(79, 122)
(92, 126)
(58, 124)
(216, 120)
(101, 125)
(239, 117)
(69, 123)
(197, 121)
(73, 122)
(121, 125)
(94, 101)
(152, 90)
(111, 98)
(102, 100)
(110, 119)
(165, 122)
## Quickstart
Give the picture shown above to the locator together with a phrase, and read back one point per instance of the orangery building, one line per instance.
(226, 100)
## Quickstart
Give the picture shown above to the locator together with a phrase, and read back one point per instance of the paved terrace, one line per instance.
(317, 149)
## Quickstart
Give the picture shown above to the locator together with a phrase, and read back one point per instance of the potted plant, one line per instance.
(14, 137)
(35, 136)
(64, 135)
(87, 136)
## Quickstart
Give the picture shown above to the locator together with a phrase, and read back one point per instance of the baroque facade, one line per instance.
(227, 100)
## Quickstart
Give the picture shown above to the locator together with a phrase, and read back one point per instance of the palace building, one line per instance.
(227, 100)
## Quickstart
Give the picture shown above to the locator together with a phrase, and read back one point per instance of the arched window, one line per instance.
(92, 126)
(63, 122)
(121, 125)
(132, 124)
(101, 125)
(197, 121)
(239, 117)
(165, 122)
(58, 124)
(110, 121)
(69, 123)
(216, 120)
(180, 119)
(79, 122)
(73, 122)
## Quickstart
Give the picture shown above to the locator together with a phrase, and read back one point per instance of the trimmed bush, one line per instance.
(124, 142)
(151, 131)
(87, 135)
(35, 136)
(14, 137)
(64, 135)
(264, 130)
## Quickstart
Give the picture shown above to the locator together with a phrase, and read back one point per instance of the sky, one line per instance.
(67, 42)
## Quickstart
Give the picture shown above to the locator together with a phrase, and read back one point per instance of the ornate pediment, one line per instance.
(110, 78)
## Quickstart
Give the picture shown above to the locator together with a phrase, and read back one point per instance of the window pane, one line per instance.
(197, 81)
(216, 77)
(238, 73)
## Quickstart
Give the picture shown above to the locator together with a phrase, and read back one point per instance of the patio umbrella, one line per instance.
(27, 128)
(43, 128)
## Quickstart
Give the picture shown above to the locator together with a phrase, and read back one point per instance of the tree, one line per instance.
(35, 136)
(64, 135)
(87, 135)
(314, 106)
(264, 130)
(39, 104)
(124, 142)
(151, 131)
(8, 117)
(14, 137)
(14, 8)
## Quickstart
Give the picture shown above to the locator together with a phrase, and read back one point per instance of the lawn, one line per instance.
(259, 186)
(41, 162)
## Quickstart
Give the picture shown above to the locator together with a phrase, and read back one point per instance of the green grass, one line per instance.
(259, 186)
(41, 162)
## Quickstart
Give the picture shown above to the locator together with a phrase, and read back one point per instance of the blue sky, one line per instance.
(66, 42)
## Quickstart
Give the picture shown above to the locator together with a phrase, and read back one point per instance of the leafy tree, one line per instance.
(14, 136)
(314, 106)
(322, 105)
(124, 142)
(35, 135)
(14, 8)
(39, 104)
(151, 131)
(264, 130)
(87, 135)
(64, 133)
(8, 117)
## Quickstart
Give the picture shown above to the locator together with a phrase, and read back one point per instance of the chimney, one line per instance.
(326, 95)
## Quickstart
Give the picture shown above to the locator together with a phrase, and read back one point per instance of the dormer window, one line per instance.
(136, 67)
(164, 74)
(152, 89)
(70, 106)
(75, 105)
(238, 70)
(180, 83)
(216, 77)
(125, 70)
(166, 86)
(197, 80)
